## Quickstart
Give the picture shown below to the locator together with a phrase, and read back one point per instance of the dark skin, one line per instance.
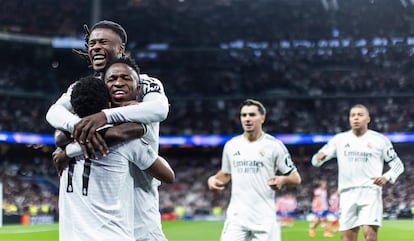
(103, 45)
(113, 135)
(133, 130)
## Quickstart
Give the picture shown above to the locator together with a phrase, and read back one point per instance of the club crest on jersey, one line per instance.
(262, 152)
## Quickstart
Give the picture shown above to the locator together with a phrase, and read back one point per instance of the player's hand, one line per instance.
(320, 156)
(96, 143)
(276, 182)
(60, 160)
(215, 184)
(85, 129)
(380, 181)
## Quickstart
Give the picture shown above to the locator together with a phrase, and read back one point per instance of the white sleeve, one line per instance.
(396, 169)
(154, 108)
(225, 159)
(142, 155)
(73, 149)
(393, 161)
(60, 114)
(284, 162)
(329, 149)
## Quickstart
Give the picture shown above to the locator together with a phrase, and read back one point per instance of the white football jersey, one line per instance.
(251, 164)
(152, 110)
(361, 158)
(95, 199)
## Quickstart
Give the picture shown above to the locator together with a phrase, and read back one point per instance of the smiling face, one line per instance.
(103, 46)
(122, 83)
(359, 119)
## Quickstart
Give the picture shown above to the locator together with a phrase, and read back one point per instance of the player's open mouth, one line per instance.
(118, 94)
(98, 59)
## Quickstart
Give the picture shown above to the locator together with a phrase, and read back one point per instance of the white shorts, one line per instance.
(360, 206)
(233, 231)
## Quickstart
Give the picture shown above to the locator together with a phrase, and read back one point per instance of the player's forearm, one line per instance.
(123, 132)
(155, 110)
(223, 177)
(62, 138)
(396, 169)
(61, 118)
(293, 178)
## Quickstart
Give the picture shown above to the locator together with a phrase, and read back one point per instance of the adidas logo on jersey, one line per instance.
(237, 153)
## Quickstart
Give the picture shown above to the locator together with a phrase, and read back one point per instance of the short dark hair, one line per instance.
(257, 103)
(124, 60)
(118, 29)
(89, 96)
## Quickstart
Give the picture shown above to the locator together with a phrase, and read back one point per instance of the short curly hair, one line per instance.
(89, 96)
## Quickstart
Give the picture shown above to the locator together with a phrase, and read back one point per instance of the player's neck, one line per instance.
(253, 136)
(359, 132)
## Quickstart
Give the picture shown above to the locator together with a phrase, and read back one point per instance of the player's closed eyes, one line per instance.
(249, 114)
(101, 41)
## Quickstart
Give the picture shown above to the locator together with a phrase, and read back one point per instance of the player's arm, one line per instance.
(396, 169)
(161, 170)
(395, 164)
(319, 158)
(112, 135)
(153, 108)
(60, 159)
(60, 115)
(284, 164)
(278, 181)
(218, 181)
(326, 153)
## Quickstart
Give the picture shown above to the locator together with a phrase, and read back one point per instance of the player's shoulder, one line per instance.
(375, 133)
(377, 136)
(147, 78)
(150, 84)
(342, 135)
(272, 140)
(235, 139)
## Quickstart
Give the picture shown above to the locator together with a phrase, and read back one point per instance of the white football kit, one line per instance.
(360, 159)
(95, 198)
(152, 110)
(251, 212)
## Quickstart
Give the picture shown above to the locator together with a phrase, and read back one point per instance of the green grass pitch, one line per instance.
(392, 230)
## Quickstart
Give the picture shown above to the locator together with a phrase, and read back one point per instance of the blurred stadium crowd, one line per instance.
(307, 61)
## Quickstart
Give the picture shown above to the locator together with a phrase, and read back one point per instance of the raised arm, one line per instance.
(112, 135)
(60, 114)
(153, 108)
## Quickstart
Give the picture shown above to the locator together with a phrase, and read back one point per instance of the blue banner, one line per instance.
(202, 140)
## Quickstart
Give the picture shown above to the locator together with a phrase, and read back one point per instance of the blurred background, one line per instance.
(308, 61)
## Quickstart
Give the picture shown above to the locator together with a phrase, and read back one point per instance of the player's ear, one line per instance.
(263, 118)
(122, 50)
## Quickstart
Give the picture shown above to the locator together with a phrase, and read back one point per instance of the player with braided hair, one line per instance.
(106, 41)
(116, 28)
(98, 206)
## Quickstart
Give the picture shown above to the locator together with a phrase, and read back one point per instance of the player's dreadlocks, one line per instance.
(118, 29)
